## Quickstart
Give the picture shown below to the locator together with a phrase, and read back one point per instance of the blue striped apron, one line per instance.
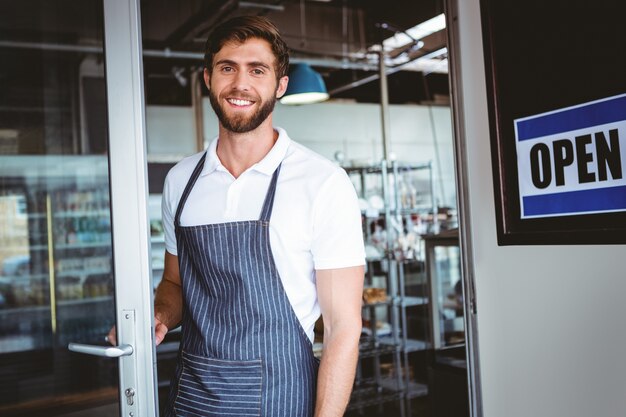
(243, 351)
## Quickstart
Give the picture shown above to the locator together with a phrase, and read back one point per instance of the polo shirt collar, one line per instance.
(266, 166)
(275, 156)
(212, 162)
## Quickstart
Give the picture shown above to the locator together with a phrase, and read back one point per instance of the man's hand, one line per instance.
(160, 330)
(112, 337)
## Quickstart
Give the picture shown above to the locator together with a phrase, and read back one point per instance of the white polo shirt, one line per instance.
(315, 223)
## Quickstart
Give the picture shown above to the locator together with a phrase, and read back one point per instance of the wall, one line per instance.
(418, 134)
(550, 318)
(170, 132)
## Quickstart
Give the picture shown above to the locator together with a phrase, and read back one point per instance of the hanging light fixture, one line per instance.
(305, 86)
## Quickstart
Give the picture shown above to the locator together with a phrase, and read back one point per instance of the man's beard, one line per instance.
(241, 123)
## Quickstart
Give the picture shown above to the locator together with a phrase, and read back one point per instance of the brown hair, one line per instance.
(240, 29)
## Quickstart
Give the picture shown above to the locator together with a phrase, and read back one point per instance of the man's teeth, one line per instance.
(239, 102)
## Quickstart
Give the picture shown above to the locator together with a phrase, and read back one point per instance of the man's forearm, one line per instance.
(336, 373)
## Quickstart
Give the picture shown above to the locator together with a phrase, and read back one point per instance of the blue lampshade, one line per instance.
(305, 86)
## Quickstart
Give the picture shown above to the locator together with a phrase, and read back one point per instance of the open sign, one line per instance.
(572, 161)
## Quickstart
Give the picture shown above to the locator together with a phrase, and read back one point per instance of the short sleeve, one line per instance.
(168, 205)
(337, 240)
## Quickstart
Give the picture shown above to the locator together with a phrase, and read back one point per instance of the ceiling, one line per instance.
(337, 37)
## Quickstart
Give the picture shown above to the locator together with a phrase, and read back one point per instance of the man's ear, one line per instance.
(207, 78)
(282, 86)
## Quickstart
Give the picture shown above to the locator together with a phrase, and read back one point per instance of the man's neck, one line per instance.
(239, 151)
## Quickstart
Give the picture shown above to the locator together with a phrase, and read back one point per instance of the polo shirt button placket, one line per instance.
(232, 199)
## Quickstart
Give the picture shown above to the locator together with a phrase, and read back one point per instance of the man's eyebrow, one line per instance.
(250, 64)
(226, 62)
(259, 64)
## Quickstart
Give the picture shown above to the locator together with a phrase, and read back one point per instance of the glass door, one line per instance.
(74, 237)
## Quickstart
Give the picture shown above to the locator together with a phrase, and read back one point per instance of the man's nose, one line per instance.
(241, 81)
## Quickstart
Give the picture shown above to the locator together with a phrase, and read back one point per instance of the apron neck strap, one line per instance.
(268, 204)
(192, 180)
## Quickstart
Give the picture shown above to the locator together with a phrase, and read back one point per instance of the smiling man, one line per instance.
(262, 236)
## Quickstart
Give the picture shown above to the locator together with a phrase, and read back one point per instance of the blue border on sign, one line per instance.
(587, 115)
(583, 201)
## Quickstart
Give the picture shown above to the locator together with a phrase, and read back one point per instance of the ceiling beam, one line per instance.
(198, 22)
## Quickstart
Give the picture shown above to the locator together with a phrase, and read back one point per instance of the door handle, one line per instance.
(125, 352)
(106, 351)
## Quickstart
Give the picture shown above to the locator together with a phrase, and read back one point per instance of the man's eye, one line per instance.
(227, 69)
(258, 71)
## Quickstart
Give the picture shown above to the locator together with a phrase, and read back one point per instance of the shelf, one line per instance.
(413, 390)
(408, 345)
(90, 300)
(416, 390)
(370, 169)
(46, 308)
(69, 246)
(397, 301)
(414, 301)
(28, 247)
(411, 345)
(372, 213)
(367, 351)
(30, 216)
(82, 213)
(378, 304)
(376, 169)
(24, 310)
(442, 358)
(382, 259)
(20, 343)
(408, 212)
(375, 213)
(36, 216)
(367, 396)
(75, 272)
(16, 278)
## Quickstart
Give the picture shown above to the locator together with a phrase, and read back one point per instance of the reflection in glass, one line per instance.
(448, 273)
(56, 279)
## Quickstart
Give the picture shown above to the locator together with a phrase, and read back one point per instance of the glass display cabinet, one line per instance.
(56, 278)
(447, 371)
(443, 269)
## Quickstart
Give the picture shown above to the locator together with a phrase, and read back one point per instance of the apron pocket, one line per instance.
(218, 387)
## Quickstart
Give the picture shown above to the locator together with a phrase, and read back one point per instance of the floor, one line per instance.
(110, 410)
(419, 408)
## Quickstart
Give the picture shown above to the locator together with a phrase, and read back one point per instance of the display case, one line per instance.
(447, 370)
(443, 268)
(56, 279)
(56, 252)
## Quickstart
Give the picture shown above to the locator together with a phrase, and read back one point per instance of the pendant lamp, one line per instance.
(305, 86)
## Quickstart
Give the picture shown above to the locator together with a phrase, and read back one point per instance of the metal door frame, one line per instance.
(129, 202)
(465, 242)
